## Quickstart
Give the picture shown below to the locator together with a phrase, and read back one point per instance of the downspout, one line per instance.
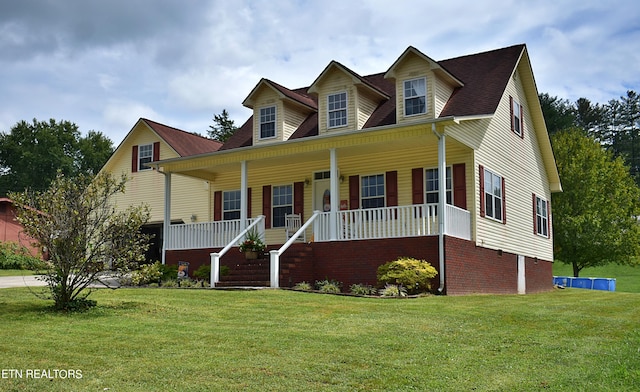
(442, 202)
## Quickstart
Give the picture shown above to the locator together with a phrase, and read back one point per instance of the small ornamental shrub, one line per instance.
(146, 274)
(328, 286)
(203, 272)
(303, 286)
(14, 256)
(361, 289)
(413, 274)
(168, 272)
(393, 290)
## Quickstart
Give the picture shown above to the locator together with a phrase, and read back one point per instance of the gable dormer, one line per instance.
(277, 111)
(423, 87)
(345, 99)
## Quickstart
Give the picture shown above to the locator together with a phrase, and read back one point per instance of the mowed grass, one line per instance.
(276, 340)
(627, 277)
(15, 272)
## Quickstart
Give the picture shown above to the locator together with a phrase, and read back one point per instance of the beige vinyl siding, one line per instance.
(414, 67)
(442, 93)
(366, 105)
(293, 117)
(519, 161)
(189, 197)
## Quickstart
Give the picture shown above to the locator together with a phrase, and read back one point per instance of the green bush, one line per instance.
(14, 256)
(168, 272)
(328, 286)
(148, 273)
(361, 289)
(411, 273)
(303, 286)
(204, 272)
(393, 290)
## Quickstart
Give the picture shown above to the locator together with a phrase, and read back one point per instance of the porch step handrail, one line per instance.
(215, 257)
(274, 255)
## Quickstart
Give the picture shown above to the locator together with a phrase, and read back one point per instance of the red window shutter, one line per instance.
(549, 218)
(354, 192)
(504, 204)
(266, 205)
(481, 177)
(417, 185)
(298, 199)
(521, 122)
(217, 205)
(391, 185)
(459, 186)
(249, 202)
(535, 214)
(134, 159)
(156, 151)
(511, 113)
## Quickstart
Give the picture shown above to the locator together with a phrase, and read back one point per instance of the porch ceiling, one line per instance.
(316, 148)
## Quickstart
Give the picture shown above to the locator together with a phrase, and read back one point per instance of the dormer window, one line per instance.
(415, 96)
(337, 110)
(267, 122)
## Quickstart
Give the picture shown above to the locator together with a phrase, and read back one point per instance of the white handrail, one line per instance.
(274, 255)
(215, 257)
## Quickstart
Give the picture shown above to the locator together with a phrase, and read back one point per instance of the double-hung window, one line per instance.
(542, 217)
(145, 155)
(493, 195)
(267, 122)
(282, 204)
(517, 122)
(372, 191)
(231, 205)
(432, 186)
(415, 96)
(337, 110)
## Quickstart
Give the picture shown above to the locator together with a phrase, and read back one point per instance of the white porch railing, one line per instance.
(203, 235)
(392, 222)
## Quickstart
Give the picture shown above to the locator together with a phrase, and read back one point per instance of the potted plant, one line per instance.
(252, 244)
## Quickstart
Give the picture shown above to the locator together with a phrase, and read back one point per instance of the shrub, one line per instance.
(303, 286)
(411, 273)
(168, 272)
(361, 289)
(204, 272)
(393, 290)
(14, 256)
(146, 274)
(328, 286)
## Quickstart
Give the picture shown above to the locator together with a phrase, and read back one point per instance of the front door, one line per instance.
(322, 191)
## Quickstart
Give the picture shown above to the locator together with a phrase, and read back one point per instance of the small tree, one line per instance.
(83, 233)
(223, 128)
(595, 217)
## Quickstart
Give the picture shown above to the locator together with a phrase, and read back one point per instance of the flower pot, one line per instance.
(251, 254)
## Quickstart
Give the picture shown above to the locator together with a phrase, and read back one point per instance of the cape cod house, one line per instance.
(447, 161)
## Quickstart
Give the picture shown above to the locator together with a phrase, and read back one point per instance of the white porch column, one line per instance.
(335, 195)
(442, 202)
(243, 195)
(167, 215)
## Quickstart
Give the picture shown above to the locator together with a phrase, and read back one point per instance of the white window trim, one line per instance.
(224, 210)
(346, 110)
(517, 121)
(275, 122)
(484, 197)
(404, 97)
(143, 166)
(384, 190)
(543, 218)
(273, 204)
(449, 190)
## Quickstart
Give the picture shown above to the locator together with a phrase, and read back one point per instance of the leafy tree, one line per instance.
(223, 128)
(558, 113)
(595, 218)
(83, 233)
(32, 154)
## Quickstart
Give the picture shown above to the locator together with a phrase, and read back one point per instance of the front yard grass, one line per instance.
(275, 340)
(15, 272)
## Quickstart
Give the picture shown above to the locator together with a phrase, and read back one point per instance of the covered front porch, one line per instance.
(328, 192)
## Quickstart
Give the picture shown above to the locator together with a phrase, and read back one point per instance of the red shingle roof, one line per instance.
(184, 143)
(485, 77)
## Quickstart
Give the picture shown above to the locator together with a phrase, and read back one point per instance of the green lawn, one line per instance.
(15, 272)
(275, 340)
(627, 278)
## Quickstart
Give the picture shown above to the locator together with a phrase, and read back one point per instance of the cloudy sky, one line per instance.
(104, 64)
